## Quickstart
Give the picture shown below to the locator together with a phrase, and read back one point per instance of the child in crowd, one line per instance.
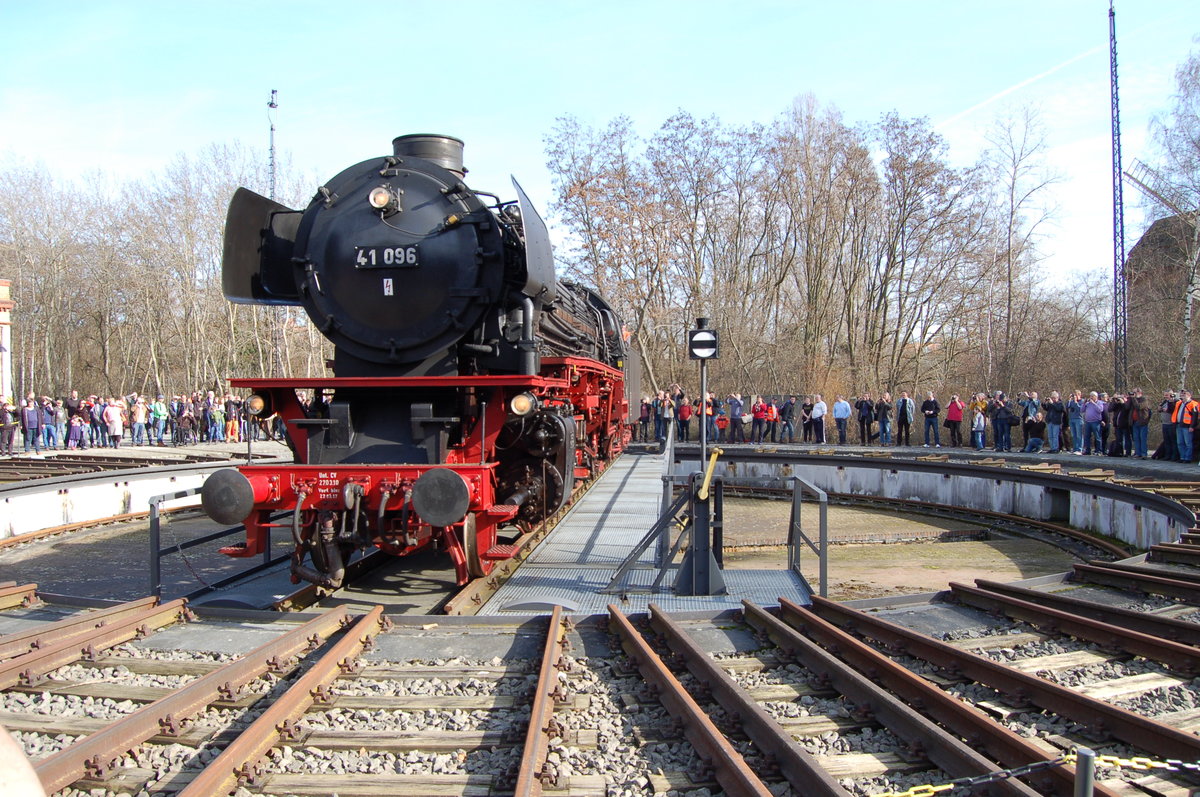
(75, 435)
(978, 425)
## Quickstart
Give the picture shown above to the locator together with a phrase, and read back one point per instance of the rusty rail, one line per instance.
(86, 524)
(95, 754)
(929, 507)
(471, 597)
(1140, 732)
(21, 471)
(1188, 577)
(537, 737)
(243, 753)
(803, 771)
(1076, 482)
(1175, 553)
(1147, 623)
(941, 748)
(729, 768)
(46, 634)
(972, 515)
(17, 595)
(1146, 580)
(1004, 746)
(28, 667)
(1175, 655)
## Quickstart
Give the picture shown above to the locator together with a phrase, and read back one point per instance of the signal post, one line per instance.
(703, 345)
(699, 574)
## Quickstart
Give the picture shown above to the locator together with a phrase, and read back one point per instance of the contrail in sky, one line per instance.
(1086, 53)
(1021, 85)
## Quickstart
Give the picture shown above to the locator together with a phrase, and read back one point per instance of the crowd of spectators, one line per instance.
(1095, 424)
(34, 424)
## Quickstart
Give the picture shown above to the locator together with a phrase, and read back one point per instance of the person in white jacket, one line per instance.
(818, 419)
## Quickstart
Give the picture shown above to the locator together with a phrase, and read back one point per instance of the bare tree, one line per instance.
(1020, 179)
(118, 285)
(832, 259)
(1173, 188)
(926, 272)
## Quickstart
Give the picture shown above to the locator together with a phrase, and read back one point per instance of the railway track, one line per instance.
(1093, 492)
(1071, 540)
(146, 698)
(86, 525)
(25, 469)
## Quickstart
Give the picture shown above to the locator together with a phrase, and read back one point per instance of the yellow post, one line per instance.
(712, 465)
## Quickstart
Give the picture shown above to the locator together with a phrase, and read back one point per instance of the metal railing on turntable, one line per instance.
(158, 553)
(697, 515)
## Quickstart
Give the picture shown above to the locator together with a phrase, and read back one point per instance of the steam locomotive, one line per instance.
(470, 391)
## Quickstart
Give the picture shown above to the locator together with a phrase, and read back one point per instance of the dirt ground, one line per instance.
(906, 557)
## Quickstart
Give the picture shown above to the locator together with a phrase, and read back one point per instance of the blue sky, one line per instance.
(124, 86)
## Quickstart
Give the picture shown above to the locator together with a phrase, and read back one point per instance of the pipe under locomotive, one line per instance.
(470, 388)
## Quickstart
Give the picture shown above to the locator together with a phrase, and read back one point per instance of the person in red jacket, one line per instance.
(684, 416)
(721, 422)
(954, 417)
(758, 412)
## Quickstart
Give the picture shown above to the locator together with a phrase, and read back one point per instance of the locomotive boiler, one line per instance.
(470, 388)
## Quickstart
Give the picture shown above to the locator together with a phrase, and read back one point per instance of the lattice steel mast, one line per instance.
(281, 315)
(272, 104)
(1120, 287)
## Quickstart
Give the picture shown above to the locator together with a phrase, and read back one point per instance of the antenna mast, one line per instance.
(1120, 286)
(281, 316)
(272, 104)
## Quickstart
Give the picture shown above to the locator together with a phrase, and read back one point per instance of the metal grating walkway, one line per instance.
(580, 556)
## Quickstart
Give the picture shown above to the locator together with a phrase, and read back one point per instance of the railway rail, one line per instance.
(1085, 545)
(819, 700)
(1069, 539)
(22, 469)
(85, 525)
(1141, 511)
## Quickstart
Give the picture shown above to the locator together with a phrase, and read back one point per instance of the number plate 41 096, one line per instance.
(406, 256)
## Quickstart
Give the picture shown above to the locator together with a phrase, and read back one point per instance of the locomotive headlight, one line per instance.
(383, 198)
(523, 403)
(254, 405)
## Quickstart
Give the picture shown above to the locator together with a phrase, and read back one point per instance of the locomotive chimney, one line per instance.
(445, 151)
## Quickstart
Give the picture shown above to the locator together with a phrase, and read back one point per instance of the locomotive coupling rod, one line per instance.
(702, 494)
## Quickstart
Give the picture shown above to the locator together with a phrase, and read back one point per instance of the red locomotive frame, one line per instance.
(379, 494)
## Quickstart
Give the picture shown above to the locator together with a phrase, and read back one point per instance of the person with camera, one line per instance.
(1003, 418)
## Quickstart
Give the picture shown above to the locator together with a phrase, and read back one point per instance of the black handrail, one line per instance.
(157, 552)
